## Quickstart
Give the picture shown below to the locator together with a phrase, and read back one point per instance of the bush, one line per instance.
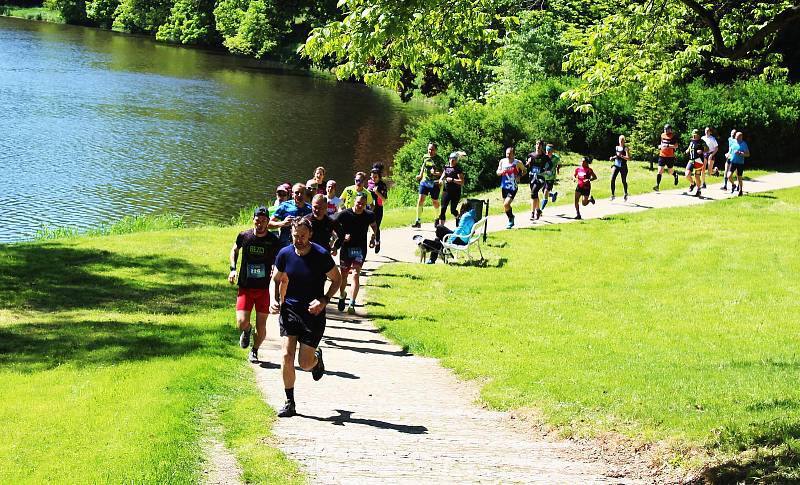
(190, 22)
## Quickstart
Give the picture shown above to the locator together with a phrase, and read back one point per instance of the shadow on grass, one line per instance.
(56, 276)
(34, 347)
(764, 468)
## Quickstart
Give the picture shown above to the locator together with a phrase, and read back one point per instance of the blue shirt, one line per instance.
(737, 158)
(286, 209)
(465, 226)
(306, 274)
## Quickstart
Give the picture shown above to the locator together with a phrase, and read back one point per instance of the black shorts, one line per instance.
(299, 323)
(737, 168)
(548, 184)
(509, 192)
(668, 161)
(537, 184)
(585, 191)
(425, 189)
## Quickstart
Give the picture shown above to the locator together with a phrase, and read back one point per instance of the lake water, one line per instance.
(96, 125)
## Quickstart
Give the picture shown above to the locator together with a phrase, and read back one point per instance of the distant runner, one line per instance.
(350, 192)
(290, 211)
(323, 226)
(694, 167)
(728, 156)
(510, 171)
(355, 224)
(711, 155)
(739, 151)
(583, 176)
(452, 179)
(666, 155)
(300, 299)
(550, 176)
(620, 158)
(379, 190)
(428, 178)
(258, 247)
(316, 185)
(334, 202)
(537, 164)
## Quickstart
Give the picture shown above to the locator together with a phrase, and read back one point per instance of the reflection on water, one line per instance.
(96, 125)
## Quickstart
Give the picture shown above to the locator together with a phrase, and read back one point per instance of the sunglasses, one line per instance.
(298, 192)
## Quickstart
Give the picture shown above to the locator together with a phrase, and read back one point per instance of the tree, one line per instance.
(247, 26)
(190, 22)
(660, 42)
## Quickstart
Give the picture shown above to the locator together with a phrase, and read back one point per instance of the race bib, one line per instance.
(355, 254)
(257, 270)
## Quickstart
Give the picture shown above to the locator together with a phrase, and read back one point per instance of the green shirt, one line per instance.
(552, 174)
(431, 162)
(350, 193)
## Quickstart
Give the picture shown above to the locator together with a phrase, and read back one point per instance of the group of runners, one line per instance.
(292, 244)
(543, 166)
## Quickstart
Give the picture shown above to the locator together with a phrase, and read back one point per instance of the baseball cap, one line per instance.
(284, 187)
(454, 155)
(695, 132)
(548, 148)
(667, 127)
(261, 211)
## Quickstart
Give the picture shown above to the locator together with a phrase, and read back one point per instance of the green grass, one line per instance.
(640, 180)
(126, 225)
(31, 13)
(117, 354)
(677, 325)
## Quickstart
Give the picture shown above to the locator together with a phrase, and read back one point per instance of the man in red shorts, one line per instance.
(258, 247)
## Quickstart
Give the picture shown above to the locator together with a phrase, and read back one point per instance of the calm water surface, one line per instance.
(96, 125)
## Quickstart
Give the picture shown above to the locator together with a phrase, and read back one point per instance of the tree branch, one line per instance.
(771, 27)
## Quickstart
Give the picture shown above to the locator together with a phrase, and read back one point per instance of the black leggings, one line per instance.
(452, 198)
(623, 170)
(378, 211)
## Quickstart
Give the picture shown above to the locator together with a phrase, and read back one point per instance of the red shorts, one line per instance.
(249, 297)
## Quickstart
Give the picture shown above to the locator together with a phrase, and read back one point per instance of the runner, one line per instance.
(428, 179)
(258, 247)
(300, 299)
(738, 151)
(711, 155)
(350, 192)
(697, 147)
(583, 176)
(620, 167)
(334, 202)
(550, 176)
(538, 162)
(379, 190)
(666, 155)
(289, 211)
(323, 227)
(510, 171)
(728, 156)
(453, 179)
(281, 196)
(354, 225)
(316, 185)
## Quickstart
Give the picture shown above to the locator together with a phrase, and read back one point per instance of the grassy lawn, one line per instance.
(640, 180)
(677, 325)
(31, 13)
(118, 357)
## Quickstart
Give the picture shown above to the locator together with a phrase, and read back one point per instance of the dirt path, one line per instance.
(382, 416)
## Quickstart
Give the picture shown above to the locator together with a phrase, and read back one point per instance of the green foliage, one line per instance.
(190, 22)
(141, 16)
(101, 12)
(72, 11)
(247, 26)
(126, 225)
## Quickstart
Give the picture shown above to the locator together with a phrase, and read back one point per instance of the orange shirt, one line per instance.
(664, 149)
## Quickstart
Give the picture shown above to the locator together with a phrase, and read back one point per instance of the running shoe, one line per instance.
(697, 194)
(244, 338)
(533, 216)
(704, 185)
(319, 370)
(655, 187)
(253, 357)
(741, 193)
(578, 217)
(416, 224)
(691, 187)
(510, 223)
(591, 199)
(340, 305)
(351, 309)
(724, 187)
(676, 177)
(429, 261)
(288, 410)
(626, 197)
(538, 213)
(613, 197)
(734, 187)
(553, 196)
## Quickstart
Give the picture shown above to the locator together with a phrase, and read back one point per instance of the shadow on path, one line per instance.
(345, 417)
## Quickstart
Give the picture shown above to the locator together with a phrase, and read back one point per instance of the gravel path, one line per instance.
(383, 416)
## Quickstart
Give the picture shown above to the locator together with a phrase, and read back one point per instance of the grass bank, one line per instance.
(676, 325)
(31, 13)
(117, 356)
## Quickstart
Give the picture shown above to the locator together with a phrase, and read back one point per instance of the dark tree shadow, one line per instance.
(370, 330)
(354, 340)
(57, 277)
(34, 347)
(365, 350)
(346, 417)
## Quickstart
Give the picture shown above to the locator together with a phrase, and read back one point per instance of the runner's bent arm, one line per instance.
(281, 280)
(233, 258)
(421, 171)
(316, 306)
(500, 168)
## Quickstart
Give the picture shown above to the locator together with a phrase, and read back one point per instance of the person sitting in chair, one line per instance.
(467, 219)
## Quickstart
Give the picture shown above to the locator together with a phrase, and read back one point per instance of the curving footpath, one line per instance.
(381, 415)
